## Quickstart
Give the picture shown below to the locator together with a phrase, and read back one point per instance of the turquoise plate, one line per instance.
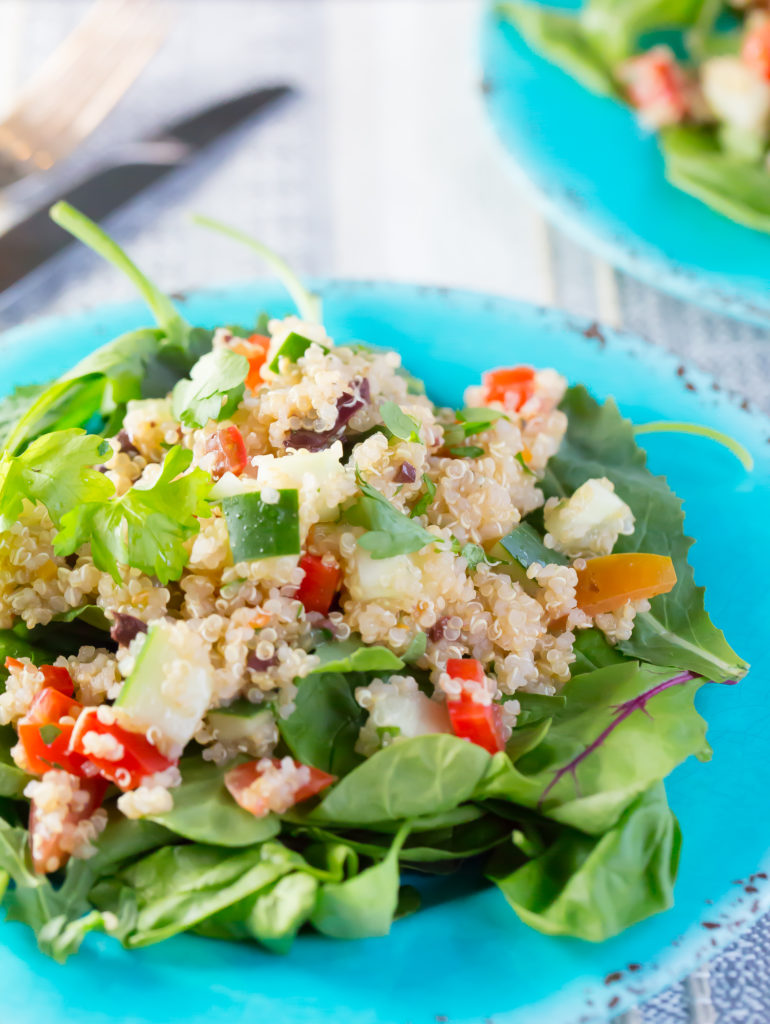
(599, 176)
(466, 959)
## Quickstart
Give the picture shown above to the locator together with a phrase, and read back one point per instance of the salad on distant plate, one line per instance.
(276, 628)
(697, 72)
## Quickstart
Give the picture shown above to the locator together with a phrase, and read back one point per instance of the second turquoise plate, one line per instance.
(600, 177)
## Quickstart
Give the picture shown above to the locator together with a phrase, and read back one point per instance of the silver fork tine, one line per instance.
(82, 81)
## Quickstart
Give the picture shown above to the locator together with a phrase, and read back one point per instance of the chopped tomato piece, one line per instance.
(480, 723)
(465, 668)
(608, 582)
(255, 349)
(13, 663)
(54, 675)
(128, 760)
(45, 733)
(658, 87)
(48, 853)
(231, 454)
(755, 52)
(320, 584)
(251, 787)
(512, 386)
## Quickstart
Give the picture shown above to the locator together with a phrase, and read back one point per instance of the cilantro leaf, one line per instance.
(466, 451)
(476, 420)
(214, 389)
(399, 423)
(56, 471)
(421, 507)
(389, 532)
(145, 528)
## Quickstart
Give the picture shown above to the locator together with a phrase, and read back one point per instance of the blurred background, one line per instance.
(380, 164)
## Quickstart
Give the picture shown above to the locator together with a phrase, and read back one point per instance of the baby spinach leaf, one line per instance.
(677, 630)
(737, 188)
(364, 905)
(352, 655)
(145, 528)
(416, 648)
(614, 26)
(205, 812)
(14, 405)
(261, 529)
(422, 775)
(279, 913)
(594, 888)
(592, 651)
(621, 729)
(399, 423)
(561, 38)
(324, 726)
(389, 532)
(214, 389)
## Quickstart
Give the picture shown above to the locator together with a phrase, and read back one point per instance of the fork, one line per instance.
(78, 85)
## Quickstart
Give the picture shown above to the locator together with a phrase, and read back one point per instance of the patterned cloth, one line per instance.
(382, 165)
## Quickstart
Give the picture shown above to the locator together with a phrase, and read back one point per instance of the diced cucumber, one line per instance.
(152, 697)
(249, 727)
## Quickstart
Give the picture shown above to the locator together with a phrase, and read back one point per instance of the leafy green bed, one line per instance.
(729, 175)
(570, 822)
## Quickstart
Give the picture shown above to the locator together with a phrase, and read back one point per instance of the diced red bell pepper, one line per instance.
(54, 675)
(243, 784)
(320, 584)
(512, 386)
(755, 52)
(480, 723)
(255, 349)
(136, 761)
(658, 87)
(46, 738)
(230, 449)
(465, 668)
(45, 845)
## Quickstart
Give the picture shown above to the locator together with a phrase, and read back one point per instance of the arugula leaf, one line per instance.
(215, 388)
(399, 423)
(677, 630)
(352, 655)
(580, 773)
(205, 812)
(56, 471)
(364, 905)
(422, 775)
(594, 888)
(424, 502)
(390, 532)
(698, 165)
(525, 545)
(261, 529)
(323, 728)
(145, 528)
(560, 37)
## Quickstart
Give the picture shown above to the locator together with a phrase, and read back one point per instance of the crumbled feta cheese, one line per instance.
(589, 522)
(737, 95)
(397, 708)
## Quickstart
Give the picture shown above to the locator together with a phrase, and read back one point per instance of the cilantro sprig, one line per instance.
(389, 532)
(56, 471)
(399, 423)
(214, 389)
(145, 528)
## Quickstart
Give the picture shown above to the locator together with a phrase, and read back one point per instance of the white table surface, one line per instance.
(382, 166)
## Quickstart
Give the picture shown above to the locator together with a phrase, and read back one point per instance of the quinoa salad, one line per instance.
(705, 90)
(282, 638)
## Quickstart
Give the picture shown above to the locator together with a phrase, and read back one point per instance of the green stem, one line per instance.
(741, 453)
(308, 304)
(88, 232)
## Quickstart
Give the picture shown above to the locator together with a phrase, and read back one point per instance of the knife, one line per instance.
(35, 239)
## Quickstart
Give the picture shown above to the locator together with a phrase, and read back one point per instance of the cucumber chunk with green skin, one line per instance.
(149, 704)
(246, 726)
(261, 529)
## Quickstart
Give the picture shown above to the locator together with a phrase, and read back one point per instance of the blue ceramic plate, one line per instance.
(466, 958)
(599, 176)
